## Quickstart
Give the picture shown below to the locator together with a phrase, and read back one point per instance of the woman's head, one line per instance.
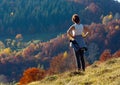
(75, 18)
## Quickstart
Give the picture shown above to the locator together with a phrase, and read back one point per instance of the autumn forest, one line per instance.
(20, 18)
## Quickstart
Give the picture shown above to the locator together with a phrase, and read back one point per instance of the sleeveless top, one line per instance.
(78, 29)
(78, 42)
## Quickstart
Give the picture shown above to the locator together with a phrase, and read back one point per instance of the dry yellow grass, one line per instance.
(107, 73)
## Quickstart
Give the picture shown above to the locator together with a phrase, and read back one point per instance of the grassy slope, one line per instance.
(107, 73)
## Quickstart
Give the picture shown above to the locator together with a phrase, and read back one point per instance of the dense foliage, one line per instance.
(56, 54)
(35, 16)
(32, 74)
(38, 16)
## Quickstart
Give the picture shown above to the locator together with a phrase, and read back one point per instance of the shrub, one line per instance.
(61, 63)
(32, 74)
(105, 55)
(116, 54)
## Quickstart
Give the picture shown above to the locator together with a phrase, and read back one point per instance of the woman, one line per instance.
(76, 35)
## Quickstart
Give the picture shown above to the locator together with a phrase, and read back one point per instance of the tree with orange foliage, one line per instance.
(57, 64)
(32, 74)
(93, 7)
(62, 62)
(116, 54)
(19, 37)
(105, 55)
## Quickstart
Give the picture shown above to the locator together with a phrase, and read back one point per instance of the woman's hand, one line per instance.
(86, 32)
(84, 35)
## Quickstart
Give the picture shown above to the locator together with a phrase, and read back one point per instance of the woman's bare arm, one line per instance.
(69, 32)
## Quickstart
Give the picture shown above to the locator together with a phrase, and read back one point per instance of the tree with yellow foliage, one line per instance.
(107, 18)
(65, 55)
(7, 51)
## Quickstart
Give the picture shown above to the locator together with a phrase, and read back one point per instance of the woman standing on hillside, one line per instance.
(76, 35)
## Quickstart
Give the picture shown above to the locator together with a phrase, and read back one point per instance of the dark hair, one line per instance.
(75, 18)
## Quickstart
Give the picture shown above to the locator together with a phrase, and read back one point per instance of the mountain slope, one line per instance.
(39, 16)
(107, 73)
(36, 52)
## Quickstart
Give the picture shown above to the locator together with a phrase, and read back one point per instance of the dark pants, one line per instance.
(80, 59)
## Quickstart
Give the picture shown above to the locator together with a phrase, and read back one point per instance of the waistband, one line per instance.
(78, 35)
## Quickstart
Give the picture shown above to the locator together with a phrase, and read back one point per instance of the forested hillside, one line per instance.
(21, 18)
(38, 16)
(35, 16)
(103, 42)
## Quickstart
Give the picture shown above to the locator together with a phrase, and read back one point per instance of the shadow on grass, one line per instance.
(71, 74)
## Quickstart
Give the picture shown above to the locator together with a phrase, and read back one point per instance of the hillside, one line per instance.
(36, 19)
(22, 55)
(37, 16)
(107, 73)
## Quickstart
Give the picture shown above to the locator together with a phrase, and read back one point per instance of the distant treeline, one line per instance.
(38, 16)
(31, 16)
